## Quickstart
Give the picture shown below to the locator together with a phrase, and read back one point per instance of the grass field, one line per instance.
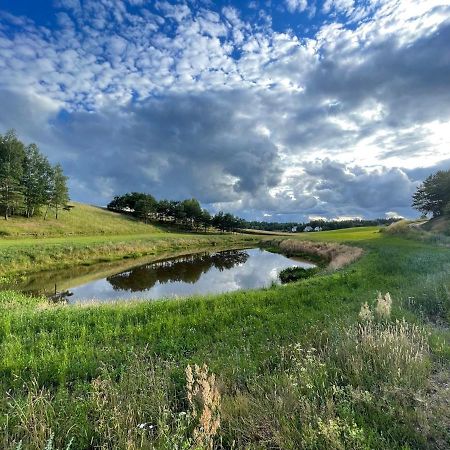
(293, 367)
(89, 235)
(82, 220)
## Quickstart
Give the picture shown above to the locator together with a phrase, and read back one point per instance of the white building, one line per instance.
(307, 229)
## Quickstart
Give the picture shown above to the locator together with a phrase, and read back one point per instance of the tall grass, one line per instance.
(353, 393)
(293, 365)
(334, 254)
(82, 220)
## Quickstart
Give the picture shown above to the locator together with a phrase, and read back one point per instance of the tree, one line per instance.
(433, 194)
(145, 207)
(206, 219)
(218, 221)
(127, 201)
(59, 193)
(12, 154)
(36, 179)
(193, 210)
(163, 209)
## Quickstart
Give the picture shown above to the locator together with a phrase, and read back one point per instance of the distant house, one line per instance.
(318, 229)
(294, 230)
(307, 229)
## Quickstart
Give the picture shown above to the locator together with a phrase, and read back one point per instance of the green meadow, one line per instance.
(294, 366)
(88, 235)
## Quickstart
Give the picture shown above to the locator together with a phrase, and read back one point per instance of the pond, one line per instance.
(200, 273)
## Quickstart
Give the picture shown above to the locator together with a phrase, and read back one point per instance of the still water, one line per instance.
(201, 273)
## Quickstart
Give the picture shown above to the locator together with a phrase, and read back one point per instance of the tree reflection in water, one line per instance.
(186, 269)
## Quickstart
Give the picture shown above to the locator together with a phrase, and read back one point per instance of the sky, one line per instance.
(273, 110)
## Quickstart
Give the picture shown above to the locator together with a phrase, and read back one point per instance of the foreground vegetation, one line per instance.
(305, 365)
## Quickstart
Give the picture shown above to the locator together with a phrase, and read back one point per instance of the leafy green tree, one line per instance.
(58, 193)
(218, 221)
(145, 208)
(433, 194)
(36, 179)
(127, 201)
(193, 211)
(177, 211)
(163, 209)
(12, 154)
(206, 219)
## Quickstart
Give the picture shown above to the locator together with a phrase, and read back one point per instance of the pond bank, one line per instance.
(330, 255)
(21, 257)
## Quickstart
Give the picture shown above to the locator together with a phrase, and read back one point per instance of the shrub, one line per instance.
(295, 274)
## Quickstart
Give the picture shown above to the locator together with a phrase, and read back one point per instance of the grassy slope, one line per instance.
(348, 234)
(88, 235)
(82, 220)
(438, 225)
(238, 334)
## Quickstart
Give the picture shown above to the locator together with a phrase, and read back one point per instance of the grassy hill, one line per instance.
(439, 225)
(82, 220)
(89, 235)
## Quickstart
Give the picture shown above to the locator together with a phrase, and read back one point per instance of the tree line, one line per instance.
(325, 225)
(187, 213)
(28, 181)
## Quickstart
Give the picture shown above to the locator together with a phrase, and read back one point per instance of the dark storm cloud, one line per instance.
(358, 189)
(176, 146)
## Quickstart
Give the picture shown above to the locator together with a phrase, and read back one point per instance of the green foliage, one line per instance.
(27, 180)
(227, 222)
(58, 193)
(12, 155)
(433, 195)
(187, 213)
(291, 274)
(36, 180)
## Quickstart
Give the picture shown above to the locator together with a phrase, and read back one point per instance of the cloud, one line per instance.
(296, 5)
(187, 100)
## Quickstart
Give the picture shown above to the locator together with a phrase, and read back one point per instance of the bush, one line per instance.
(295, 274)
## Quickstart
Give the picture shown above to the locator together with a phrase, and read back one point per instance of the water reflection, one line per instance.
(187, 269)
(203, 273)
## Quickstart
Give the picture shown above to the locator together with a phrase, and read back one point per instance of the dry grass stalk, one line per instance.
(202, 392)
(382, 308)
(338, 255)
(365, 313)
(384, 304)
(396, 352)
